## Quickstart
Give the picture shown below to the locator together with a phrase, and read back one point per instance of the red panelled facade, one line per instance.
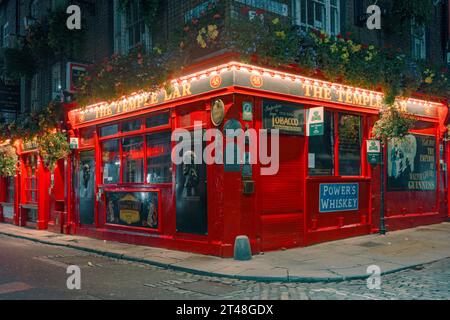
(120, 183)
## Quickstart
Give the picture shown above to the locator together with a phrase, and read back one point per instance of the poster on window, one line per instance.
(412, 164)
(287, 118)
(191, 194)
(133, 209)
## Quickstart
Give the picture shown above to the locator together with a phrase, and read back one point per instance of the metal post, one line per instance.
(382, 220)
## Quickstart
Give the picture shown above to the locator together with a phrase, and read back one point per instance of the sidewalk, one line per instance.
(332, 261)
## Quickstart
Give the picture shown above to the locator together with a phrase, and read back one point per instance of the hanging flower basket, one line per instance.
(394, 123)
(8, 161)
(53, 146)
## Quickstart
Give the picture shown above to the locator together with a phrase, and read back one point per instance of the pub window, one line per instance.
(158, 120)
(132, 125)
(111, 161)
(159, 165)
(10, 190)
(87, 136)
(109, 130)
(31, 178)
(321, 155)
(349, 147)
(133, 159)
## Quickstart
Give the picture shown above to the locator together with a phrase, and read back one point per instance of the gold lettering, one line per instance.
(357, 98)
(153, 98)
(348, 97)
(366, 100)
(166, 95)
(307, 88)
(318, 92)
(341, 95)
(327, 93)
(176, 93)
(186, 89)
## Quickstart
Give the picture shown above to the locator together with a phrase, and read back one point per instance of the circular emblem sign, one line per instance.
(215, 81)
(217, 112)
(256, 81)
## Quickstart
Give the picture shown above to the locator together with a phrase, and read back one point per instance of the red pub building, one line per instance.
(120, 183)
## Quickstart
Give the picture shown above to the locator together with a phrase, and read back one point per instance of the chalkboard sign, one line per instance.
(288, 118)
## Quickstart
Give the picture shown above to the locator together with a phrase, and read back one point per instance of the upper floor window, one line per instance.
(34, 9)
(418, 41)
(5, 35)
(318, 14)
(34, 94)
(56, 81)
(130, 28)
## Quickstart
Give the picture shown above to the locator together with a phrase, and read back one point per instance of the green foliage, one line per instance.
(8, 161)
(393, 123)
(270, 42)
(28, 126)
(52, 147)
(125, 74)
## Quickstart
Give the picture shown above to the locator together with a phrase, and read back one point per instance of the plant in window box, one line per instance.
(53, 146)
(8, 161)
(436, 81)
(204, 34)
(122, 75)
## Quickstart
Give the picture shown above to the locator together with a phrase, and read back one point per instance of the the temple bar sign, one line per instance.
(242, 78)
(336, 197)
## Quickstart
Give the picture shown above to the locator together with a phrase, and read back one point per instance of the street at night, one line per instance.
(29, 270)
(214, 151)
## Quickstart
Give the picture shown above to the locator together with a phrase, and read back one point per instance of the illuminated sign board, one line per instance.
(240, 75)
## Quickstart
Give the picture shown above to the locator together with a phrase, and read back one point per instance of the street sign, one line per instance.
(374, 152)
(247, 111)
(74, 143)
(315, 122)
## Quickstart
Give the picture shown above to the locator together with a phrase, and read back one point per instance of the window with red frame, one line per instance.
(10, 189)
(338, 150)
(137, 151)
(31, 188)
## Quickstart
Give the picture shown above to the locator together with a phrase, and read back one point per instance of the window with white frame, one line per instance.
(34, 93)
(418, 41)
(318, 14)
(130, 28)
(5, 35)
(34, 9)
(56, 81)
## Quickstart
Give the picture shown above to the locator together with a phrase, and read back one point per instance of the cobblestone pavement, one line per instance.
(29, 270)
(428, 282)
